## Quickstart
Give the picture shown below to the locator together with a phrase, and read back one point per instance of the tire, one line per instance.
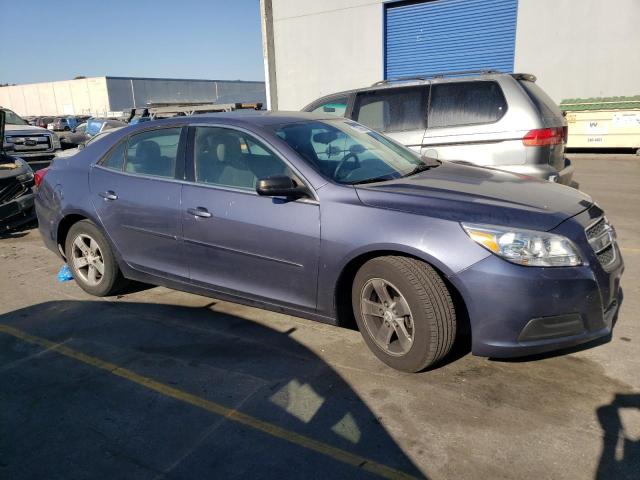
(104, 284)
(410, 284)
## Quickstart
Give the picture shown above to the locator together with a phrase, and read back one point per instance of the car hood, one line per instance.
(478, 195)
(27, 129)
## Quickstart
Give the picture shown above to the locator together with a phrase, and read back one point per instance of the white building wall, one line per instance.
(326, 46)
(586, 48)
(576, 48)
(67, 97)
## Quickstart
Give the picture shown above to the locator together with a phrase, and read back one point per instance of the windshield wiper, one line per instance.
(421, 167)
(372, 180)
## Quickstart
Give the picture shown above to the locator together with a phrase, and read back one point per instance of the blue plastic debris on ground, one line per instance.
(64, 275)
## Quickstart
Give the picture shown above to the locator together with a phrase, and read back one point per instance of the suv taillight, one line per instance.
(545, 136)
(38, 176)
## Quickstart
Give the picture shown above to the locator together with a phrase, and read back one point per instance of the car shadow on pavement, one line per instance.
(620, 456)
(98, 389)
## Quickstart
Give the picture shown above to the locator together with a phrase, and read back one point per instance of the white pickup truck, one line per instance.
(34, 144)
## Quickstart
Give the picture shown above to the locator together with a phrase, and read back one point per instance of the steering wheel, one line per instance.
(347, 157)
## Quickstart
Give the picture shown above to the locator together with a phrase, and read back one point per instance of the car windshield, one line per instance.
(350, 153)
(12, 119)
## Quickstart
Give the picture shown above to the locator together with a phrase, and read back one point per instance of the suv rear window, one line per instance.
(543, 102)
(392, 109)
(466, 103)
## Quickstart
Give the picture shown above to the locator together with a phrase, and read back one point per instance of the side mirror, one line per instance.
(280, 186)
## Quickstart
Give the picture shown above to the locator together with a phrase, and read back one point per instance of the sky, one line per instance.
(51, 40)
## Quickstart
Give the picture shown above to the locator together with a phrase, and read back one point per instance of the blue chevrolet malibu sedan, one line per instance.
(324, 218)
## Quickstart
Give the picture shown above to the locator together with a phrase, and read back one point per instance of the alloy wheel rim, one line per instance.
(387, 316)
(87, 259)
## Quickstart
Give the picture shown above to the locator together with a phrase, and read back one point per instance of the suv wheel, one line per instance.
(404, 312)
(91, 260)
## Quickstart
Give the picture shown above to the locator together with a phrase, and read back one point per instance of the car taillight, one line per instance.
(38, 176)
(545, 136)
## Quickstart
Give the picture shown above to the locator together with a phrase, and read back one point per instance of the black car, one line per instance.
(16, 193)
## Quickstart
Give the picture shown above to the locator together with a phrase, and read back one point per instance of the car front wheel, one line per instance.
(91, 260)
(404, 312)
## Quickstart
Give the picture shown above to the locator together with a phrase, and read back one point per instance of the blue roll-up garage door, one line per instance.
(423, 38)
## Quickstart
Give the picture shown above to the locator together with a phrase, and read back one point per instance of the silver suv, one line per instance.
(490, 119)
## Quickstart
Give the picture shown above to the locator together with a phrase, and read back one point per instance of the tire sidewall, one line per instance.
(422, 350)
(111, 271)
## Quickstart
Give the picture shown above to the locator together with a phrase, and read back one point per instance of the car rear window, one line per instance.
(392, 109)
(543, 102)
(466, 103)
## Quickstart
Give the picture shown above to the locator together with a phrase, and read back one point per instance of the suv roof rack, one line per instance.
(435, 75)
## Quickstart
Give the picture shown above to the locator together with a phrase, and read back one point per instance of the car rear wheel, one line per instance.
(91, 260)
(404, 312)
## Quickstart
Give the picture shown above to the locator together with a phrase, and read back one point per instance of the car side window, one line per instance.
(115, 158)
(466, 103)
(336, 106)
(231, 158)
(392, 109)
(154, 152)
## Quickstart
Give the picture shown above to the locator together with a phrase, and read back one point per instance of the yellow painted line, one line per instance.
(231, 414)
(630, 249)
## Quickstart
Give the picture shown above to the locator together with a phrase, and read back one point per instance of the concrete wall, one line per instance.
(576, 48)
(68, 97)
(126, 93)
(325, 46)
(586, 48)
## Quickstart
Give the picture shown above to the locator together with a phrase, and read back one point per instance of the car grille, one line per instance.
(10, 189)
(602, 237)
(30, 143)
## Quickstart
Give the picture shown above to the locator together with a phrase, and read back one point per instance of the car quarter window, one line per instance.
(231, 158)
(335, 106)
(153, 152)
(466, 103)
(392, 109)
(115, 158)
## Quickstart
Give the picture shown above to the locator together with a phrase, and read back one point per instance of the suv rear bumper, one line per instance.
(545, 172)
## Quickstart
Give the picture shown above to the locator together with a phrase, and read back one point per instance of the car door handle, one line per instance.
(109, 195)
(199, 212)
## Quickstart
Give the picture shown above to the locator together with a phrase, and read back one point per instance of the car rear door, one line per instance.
(239, 242)
(399, 112)
(469, 121)
(137, 198)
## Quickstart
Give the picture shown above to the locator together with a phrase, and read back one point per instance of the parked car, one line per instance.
(43, 122)
(97, 125)
(87, 141)
(324, 218)
(16, 182)
(498, 120)
(64, 124)
(34, 144)
(74, 137)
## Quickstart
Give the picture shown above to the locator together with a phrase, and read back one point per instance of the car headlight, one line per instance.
(525, 247)
(56, 141)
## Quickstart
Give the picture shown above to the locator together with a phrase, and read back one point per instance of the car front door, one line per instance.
(137, 199)
(239, 242)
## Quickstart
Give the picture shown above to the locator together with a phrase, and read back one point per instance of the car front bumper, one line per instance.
(17, 212)
(518, 311)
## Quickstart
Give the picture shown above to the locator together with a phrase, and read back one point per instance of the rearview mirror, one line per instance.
(280, 186)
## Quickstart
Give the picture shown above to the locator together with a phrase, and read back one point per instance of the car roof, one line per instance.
(403, 82)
